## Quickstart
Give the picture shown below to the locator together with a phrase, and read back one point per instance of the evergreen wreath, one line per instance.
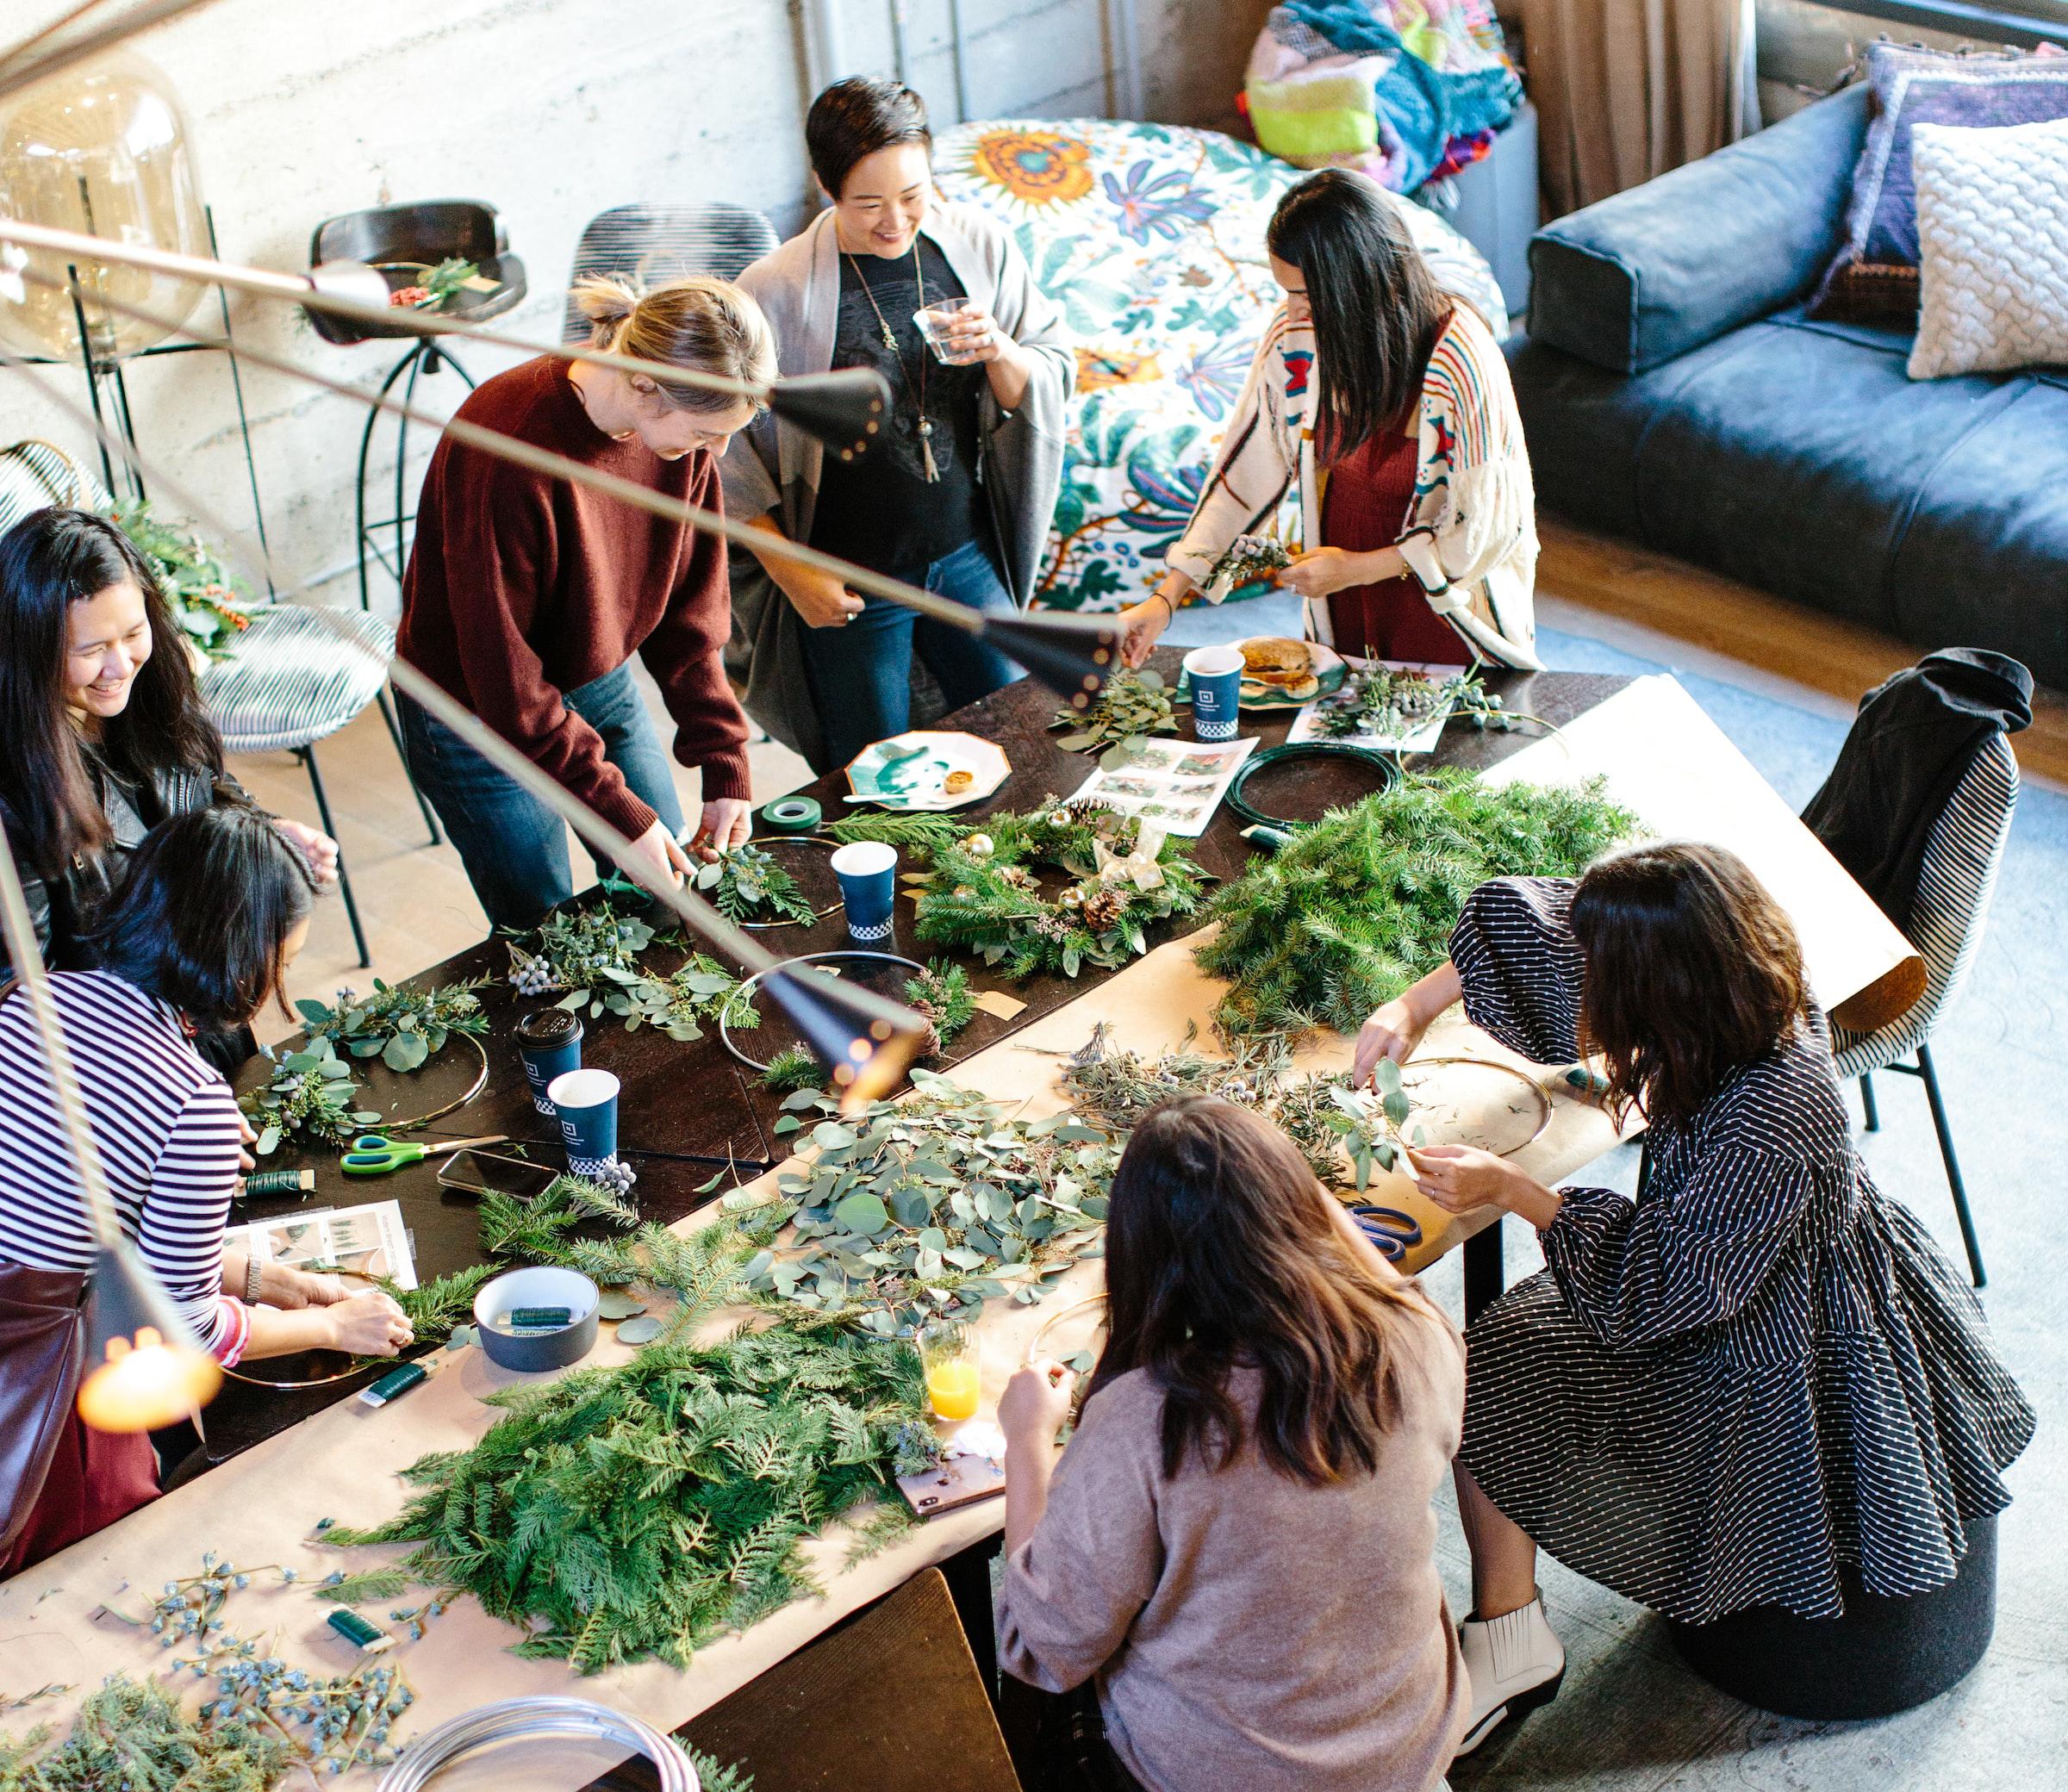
(1351, 911)
(594, 955)
(982, 893)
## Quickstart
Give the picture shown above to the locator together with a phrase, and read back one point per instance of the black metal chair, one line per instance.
(653, 243)
(1955, 882)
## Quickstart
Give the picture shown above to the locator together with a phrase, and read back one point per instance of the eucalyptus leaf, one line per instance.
(865, 1213)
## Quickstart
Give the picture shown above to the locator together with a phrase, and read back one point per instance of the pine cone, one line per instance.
(1103, 910)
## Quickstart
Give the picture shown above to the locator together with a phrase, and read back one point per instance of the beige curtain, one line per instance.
(1628, 89)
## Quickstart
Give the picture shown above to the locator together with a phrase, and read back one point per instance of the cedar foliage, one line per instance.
(621, 1512)
(131, 1734)
(1352, 910)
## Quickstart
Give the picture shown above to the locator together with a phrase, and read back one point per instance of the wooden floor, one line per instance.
(417, 908)
(1669, 598)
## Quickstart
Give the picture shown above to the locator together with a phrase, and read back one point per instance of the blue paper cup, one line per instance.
(867, 870)
(1215, 674)
(549, 1042)
(587, 1103)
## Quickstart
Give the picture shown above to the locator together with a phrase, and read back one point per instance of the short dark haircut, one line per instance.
(202, 917)
(856, 117)
(1377, 310)
(49, 561)
(1692, 971)
(1221, 1253)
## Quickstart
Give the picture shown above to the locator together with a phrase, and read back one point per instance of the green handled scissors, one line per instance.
(372, 1155)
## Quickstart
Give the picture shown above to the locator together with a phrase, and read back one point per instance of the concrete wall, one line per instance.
(551, 110)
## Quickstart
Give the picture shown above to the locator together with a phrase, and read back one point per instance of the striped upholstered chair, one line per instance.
(292, 680)
(653, 243)
(1955, 882)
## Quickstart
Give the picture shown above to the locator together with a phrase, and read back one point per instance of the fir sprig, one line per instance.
(134, 1734)
(922, 836)
(403, 1027)
(791, 1070)
(1351, 911)
(538, 1230)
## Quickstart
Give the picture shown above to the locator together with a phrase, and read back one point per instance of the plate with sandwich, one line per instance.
(1281, 673)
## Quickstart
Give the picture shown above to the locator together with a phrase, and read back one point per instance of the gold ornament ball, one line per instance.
(978, 846)
(1072, 897)
(965, 891)
(1059, 819)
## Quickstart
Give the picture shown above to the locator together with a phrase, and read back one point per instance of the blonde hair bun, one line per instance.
(694, 321)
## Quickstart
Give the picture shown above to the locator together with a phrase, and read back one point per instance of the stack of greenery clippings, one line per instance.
(1352, 910)
(618, 1514)
(925, 1208)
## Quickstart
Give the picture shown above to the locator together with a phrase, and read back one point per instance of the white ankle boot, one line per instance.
(1515, 1664)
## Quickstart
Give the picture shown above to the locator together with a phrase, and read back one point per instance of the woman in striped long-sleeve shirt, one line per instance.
(197, 937)
(1759, 1373)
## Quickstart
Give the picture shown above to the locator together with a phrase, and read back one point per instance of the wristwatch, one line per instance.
(254, 1278)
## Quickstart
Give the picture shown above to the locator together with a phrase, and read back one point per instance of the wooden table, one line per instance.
(1662, 757)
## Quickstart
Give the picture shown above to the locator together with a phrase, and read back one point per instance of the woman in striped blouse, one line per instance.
(1761, 1374)
(198, 936)
(1384, 401)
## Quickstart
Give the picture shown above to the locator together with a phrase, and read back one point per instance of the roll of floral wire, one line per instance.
(529, 1720)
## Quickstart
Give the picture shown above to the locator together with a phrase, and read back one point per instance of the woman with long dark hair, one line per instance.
(1759, 1376)
(197, 937)
(955, 494)
(1384, 400)
(1238, 1546)
(102, 733)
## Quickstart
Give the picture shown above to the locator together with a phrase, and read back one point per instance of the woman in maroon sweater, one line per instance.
(526, 597)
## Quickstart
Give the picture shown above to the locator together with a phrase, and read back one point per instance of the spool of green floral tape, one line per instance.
(792, 814)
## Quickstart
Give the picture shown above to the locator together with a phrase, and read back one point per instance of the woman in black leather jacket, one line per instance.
(102, 734)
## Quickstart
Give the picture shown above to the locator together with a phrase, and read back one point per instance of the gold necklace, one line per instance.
(890, 342)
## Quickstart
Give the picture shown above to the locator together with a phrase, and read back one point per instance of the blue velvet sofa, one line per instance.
(1674, 393)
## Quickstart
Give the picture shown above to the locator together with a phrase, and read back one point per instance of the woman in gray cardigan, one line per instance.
(956, 493)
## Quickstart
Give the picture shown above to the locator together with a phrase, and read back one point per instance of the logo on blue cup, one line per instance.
(1215, 677)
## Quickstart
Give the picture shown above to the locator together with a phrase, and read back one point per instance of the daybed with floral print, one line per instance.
(1152, 238)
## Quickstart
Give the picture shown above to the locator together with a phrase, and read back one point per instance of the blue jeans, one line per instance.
(860, 672)
(514, 848)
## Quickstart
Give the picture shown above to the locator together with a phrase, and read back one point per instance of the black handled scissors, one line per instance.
(1394, 1233)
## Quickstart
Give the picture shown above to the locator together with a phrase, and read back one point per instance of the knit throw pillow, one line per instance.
(1992, 222)
(1913, 87)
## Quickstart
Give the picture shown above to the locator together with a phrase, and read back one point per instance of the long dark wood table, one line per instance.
(688, 1109)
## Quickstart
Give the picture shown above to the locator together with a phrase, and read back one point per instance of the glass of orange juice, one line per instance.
(954, 1364)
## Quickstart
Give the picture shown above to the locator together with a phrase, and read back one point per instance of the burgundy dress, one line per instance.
(1365, 507)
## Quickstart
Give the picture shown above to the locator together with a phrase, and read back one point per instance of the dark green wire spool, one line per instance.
(1272, 830)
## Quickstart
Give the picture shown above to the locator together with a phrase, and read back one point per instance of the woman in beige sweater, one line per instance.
(1237, 1548)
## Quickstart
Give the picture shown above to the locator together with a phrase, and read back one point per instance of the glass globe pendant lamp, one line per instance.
(103, 149)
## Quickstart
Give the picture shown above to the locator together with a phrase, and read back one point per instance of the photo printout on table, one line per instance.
(1175, 784)
(370, 1241)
